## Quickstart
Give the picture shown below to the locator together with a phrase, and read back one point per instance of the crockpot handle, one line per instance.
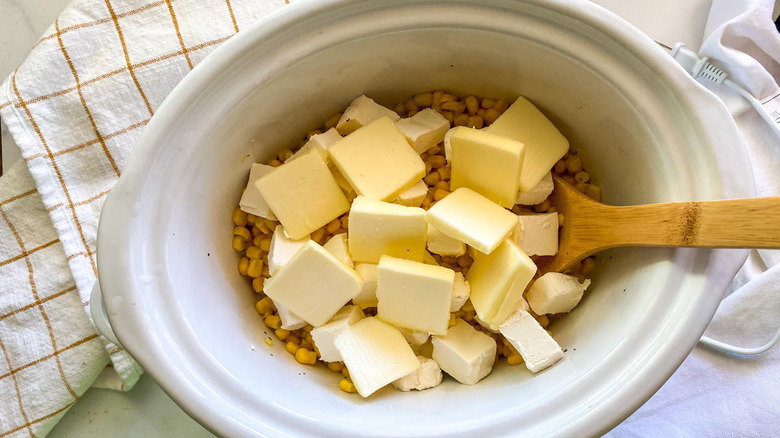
(99, 315)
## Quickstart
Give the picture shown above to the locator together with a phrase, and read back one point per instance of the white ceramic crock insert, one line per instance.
(646, 131)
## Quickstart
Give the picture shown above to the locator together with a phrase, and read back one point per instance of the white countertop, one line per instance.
(147, 410)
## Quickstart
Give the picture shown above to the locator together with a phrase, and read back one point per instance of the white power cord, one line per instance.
(700, 67)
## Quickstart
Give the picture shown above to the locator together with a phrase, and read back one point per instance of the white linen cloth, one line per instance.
(76, 107)
(715, 394)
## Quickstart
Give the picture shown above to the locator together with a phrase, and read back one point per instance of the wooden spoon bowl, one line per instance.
(590, 226)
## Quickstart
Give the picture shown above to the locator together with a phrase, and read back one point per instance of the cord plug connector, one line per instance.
(696, 66)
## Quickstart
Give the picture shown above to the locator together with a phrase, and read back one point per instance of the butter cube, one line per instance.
(313, 284)
(544, 144)
(424, 130)
(539, 193)
(290, 321)
(427, 376)
(320, 143)
(461, 291)
(377, 228)
(282, 249)
(555, 293)
(252, 201)
(537, 234)
(337, 245)
(472, 218)
(325, 336)
(367, 295)
(303, 194)
(538, 349)
(486, 163)
(414, 295)
(465, 353)
(444, 245)
(413, 196)
(376, 354)
(428, 259)
(362, 111)
(498, 280)
(377, 161)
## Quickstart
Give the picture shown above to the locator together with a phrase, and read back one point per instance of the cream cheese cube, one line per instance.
(325, 336)
(424, 130)
(498, 280)
(376, 354)
(362, 111)
(252, 201)
(413, 196)
(427, 376)
(377, 228)
(367, 296)
(472, 218)
(303, 195)
(537, 234)
(539, 193)
(444, 245)
(337, 245)
(538, 349)
(320, 143)
(290, 321)
(414, 295)
(486, 163)
(313, 284)
(555, 293)
(282, 249)
(448, 145)
(377, 161)
(544, 144)
(461, 291)
(464, 353)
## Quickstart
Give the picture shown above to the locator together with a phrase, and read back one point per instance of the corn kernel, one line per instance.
(436, 150)
(444, 173)
(282, 334)
(268, 342)
(476, 122)
(312, 133)
(569, 179)
(400, 109)
(573, 164)
(257, 284)
(265, 244)
(581, 176)
(285, 155)
(488, 103)
(250, 218)
(275, 163)
(465, 261)
(305, 357)
(501, 105)
(543, 206)
(345, 222)
(423, 99)
(242, 232)
(440, 194)
(409, 105)
(437, 161)
(426, 203)
(450, 116)
(334, 226)
(239, 217)
(345, 372)
(432, 178)
(347, 386)
(514, 359)
(273, 321)
(450, 105)
(543, 320)
(318, 234)
(461, 120)
(587, 266)
(336, 367)
(291, 347)
(254, 252)
(443, 185)
(239, 244)
(333, 121)
(255, 268)
(264, 306)
(243, 265)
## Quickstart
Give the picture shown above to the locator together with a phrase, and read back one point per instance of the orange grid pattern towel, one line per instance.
(76, 107)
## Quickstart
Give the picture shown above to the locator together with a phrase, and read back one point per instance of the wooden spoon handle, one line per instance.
(730, 223)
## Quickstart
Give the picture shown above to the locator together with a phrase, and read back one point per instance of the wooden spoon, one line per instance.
(590, 226)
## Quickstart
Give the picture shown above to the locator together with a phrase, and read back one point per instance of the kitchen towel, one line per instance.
(714, 394)
(76, 106)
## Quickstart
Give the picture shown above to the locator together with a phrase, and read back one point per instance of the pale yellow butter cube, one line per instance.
(314, 284)
(414, 295)
(544, 144)
(444, 245)
(375, 354)
(362, 111)
(367, 296)
(413, 196)
(377, 228)
(472, 218)
(303, 195)
(377, 161)
(424, 130)
(498, 280)
(320, 143)
(486, 163)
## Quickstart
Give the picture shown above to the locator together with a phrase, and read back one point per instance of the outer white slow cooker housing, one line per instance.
(646, 131)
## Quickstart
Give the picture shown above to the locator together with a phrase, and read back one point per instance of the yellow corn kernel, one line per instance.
(594, 192)
(514, 359)
(432, 178)
(333, 121)
(255, 268)
(461, 120)
(465, 261)
(427, 202)
(436, 150)
(587, 266)
(250, 218)
(423, 99)
(312, 133)
(239, 244)
(347, 386)
(258, 284)
(481, 112)
(318, 234)
(275, 163)
(491, 115)
(573, 164)
(449, 115)
(254, 252)
(467, 306)
(543, 320)
(569, 179)
(282, 334)
(400, 109)
(475, 122)
(305, 356)
(266, 271)
(501, 105)
(265, 244)
(440, 194)
(243, 265)
(273, 321)
(437, 95)
(450, 105)
(444, 173)
(268, 342)
(256, 231)
(451, 322)
(291, 347)
(345, 372)
(242, 232)
(472, 105)
(285, 155)
(488, 103)
(409, 105)
(334, 226)
(446, 98)
(443, 185)
(543, 206)
(437, 161)
(336, 367)
(581, 176)
(239, 217)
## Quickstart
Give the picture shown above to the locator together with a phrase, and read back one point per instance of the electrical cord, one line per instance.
(700, 67)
